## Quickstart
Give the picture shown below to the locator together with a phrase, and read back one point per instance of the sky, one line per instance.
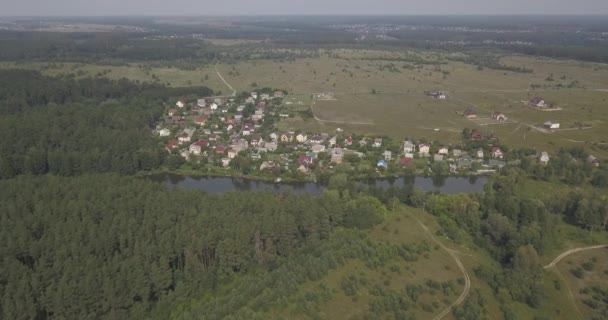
(299, 7)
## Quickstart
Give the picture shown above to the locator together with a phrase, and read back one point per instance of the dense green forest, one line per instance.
(102, 246)
(69, 127)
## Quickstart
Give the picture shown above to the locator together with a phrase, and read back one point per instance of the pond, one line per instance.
(218, 185)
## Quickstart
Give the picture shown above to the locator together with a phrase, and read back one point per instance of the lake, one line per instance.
(218, 185)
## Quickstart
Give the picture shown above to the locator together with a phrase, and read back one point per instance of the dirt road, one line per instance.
(225, 82)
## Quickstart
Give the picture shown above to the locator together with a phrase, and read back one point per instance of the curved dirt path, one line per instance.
(225, 82)
(452, 253)
(571, 251)
(312, 103)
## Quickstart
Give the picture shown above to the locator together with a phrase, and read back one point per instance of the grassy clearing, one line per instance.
(593, 268)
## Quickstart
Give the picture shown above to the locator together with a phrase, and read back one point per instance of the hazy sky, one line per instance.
(273, 7)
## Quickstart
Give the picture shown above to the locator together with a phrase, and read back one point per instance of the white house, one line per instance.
(480, 153)
(544, 158)
(377, 143)
(213, 106)
(265, 96)
(443, 150)
(497, 153)
(551, 125)
(225, 162)
(164, 132)
(424, 149)
(201, 102)
(301, 137)
(388, 155)
(274, 137)
(318, 148)
(333, 141)
(180, 104)
(408, 147)
(254, 95)
(232, 153)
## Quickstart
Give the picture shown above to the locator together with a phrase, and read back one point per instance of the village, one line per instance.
(238, 136)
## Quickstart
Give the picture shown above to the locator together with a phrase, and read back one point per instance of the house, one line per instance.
(382, 164)
(363, 142)
(265, 96)
(254, 95)
(436, 94)
(476, 134)
(311, 154)
(499, 116)
(388, 155)
(247, 129)
(443, 150)
(278, 94)
(317, 139)
(497, 153)
(180, 104)
(183, 137)
(220, 149)
(267, 165)
(250, 100)
(171, 145)
(551, 125)
(303, 168)
(271, 146)
(464, 163)
(377, 143)
(213, 106)
(318, 148)
(200, 121)
(304, 159)
(480, 153)
(337, 155)
(197, 147)
(273, 136)
(438, 158)
(407, 161)
(232, 153)
(171, 112)
(242, 144)
(496, 163)
(301, 137)
(409, 155)
(456, 152)
(164, 132)
(424, 148)
(470, 114)
(441, 96)
(178, 119)
(348, 141)
(256, 139)
(544, 157)
(408, 147)
(225, 162)
(201, 103)
(256, 156)
(286, 137)
(214, 137)
(537, 102)
(593, 161)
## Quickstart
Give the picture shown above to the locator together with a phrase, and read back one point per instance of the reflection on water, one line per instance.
(448, 185)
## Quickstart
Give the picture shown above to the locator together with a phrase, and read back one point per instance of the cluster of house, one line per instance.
(496, 115)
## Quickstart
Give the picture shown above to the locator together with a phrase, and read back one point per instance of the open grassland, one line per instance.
(399, 108)
(583, 273)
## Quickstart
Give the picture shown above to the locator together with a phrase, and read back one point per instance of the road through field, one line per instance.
(571, 251)
(452, 253)
(225, 82)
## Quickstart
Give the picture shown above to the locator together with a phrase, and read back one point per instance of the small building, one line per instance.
(265, 96)
(316, 139)
(382, 164)
(593, 161)
(476, 134)
(304, 159)
(171, 112)
(256, 156)
(470, 114)
(464, 163)
(480, 153)
(443, 150)
(226, 162)
(200, 121)
(197, 147)
(337, 155)
(171, 145)
(407, 161)
(232, 153)
(551, 125)
(499, 116)
(496, 163)
(318, 148)
(164, 132)
(537, 102)
(424, 149)
(544, 158)
(267, 165)
(408, 147)
(201, 103)
(388, 155)
(438, 158)
(278, 94)
(332, 141)
(273, 136)
(456, 152)
(220, 149)
(256, 139)
(286, 137)
(348, 141)
(180, 104)
(377, 143)
(183, 137)
(271, 146)
(303, 168)
(213, 106)
(497, 153)
(301, 137)
(254, 95)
